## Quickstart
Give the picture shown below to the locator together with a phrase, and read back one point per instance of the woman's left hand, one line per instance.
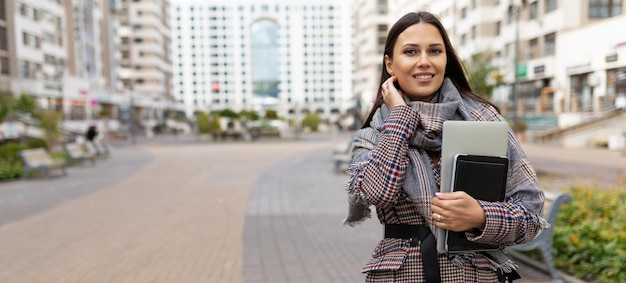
(457, 211)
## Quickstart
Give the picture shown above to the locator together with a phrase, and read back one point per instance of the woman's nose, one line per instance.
(422, 60)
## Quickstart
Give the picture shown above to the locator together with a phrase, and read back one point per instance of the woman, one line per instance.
(395, 167)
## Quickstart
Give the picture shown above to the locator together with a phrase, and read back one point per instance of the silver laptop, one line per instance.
(468, 137)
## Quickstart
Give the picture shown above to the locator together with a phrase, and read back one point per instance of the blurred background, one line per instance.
(206, 103)
(243, 69)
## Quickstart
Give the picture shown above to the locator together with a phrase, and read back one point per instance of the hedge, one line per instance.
(590, 235)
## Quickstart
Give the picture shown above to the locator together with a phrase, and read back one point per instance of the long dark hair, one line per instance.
(455, 70)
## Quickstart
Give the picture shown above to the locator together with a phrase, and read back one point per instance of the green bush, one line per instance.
(37, 143)
(9, 152)
(590, 235)
(10, 170)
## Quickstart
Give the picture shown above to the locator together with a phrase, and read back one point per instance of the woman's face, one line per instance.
(419, 61)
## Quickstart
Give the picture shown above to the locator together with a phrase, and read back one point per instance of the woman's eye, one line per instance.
(436, 51)
(410, 51)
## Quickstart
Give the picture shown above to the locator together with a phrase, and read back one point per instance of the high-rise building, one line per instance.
(145, 66)
(8, 62)
(371, 23)
(32, 44)
(293, 57)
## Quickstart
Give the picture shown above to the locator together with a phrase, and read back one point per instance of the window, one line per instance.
(4, 65)
(533, 45)
(2, 10)
(616, 83)
(510, 16)
(381, 40)
(550, 6)
(549, 42)
(3, 39)
(604, 8)
(534, 11)
(581, 96)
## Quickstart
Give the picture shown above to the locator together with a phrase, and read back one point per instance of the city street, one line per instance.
(174, 210)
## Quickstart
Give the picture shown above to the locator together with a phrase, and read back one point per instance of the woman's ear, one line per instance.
(388, 65)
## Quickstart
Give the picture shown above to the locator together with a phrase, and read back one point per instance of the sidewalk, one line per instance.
(177, 211)
(593, 166)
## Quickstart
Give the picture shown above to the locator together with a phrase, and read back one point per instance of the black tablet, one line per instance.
(484, 178)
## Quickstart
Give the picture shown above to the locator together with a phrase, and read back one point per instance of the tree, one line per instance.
(203, 123)
(271, 114)
(5, 106)
(214, 126)
(311, 120)
(48, 121)
(25, 107)
(481, 74)
(249, 114)
(229, 113)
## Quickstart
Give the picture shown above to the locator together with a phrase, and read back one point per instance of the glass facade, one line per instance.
(265, 58)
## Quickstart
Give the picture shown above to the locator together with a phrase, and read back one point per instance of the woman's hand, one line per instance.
(391, 95)
(457, 211)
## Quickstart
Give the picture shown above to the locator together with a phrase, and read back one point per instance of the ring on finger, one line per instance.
(438, 217)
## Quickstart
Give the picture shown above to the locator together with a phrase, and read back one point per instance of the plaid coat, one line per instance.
(397, 260)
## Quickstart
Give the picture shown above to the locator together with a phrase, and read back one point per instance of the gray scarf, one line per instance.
(419, 184)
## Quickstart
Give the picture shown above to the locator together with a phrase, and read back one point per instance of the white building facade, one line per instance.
(293, 57)
(569, 53)
(39, 50)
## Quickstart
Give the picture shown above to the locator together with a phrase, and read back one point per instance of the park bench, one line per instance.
(544, 239)
(342, 155)
(77, 154)
(38, 159)
(96, 148)
(102, 149)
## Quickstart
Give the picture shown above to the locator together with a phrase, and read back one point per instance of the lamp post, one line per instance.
(516, 10)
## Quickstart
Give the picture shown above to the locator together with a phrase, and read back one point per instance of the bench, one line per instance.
(96, 148)
(77, 154)
(38, 159)
(102, 149)
(543, 240)
(342, 155)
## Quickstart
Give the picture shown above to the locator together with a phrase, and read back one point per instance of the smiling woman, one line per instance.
(421, 61)
(396, 167)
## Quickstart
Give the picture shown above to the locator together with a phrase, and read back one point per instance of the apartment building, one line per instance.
(371, 23)
(32, 49)
(290, 56)
(8, 64)
(145, 65)
(557, 51)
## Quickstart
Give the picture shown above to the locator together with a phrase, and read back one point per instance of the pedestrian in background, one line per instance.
(92, 133)
(395, 167)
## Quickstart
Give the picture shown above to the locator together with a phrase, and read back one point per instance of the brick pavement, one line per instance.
(293, 230)
(223, 212)
(177, 219)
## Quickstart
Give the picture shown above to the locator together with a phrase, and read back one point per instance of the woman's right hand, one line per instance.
(391, 95)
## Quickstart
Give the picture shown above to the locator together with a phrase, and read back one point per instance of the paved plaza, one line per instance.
(177, 210)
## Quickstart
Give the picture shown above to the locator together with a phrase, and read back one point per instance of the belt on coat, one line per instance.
(428, 246)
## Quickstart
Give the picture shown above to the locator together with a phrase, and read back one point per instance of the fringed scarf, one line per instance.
(419, 184)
